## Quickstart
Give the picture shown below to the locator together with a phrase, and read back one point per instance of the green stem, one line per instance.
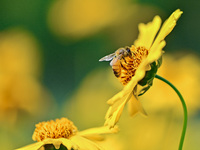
(184, 110)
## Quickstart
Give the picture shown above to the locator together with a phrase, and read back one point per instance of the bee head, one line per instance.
(128, 50)
(123, 52)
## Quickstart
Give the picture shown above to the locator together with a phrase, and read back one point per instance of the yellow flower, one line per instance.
(19, 52)
(77, 18)
(62, 131)
(20, 90)
(145, 58)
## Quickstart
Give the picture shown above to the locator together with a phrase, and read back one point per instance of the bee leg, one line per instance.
(123, 66)
(124, 60)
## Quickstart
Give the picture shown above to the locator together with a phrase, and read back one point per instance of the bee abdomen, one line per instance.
(117, 69)
(117, 72)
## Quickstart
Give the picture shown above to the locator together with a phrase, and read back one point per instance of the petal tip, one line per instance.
(177, 14)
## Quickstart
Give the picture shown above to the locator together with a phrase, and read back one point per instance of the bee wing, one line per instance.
(108, 57)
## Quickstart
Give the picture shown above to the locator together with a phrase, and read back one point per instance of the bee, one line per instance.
(125, 61)
(121, 61)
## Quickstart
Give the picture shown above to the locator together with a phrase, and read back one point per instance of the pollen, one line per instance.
(131, 63)
(60, 128)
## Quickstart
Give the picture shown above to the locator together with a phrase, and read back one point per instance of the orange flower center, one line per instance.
(60, 128)
(130, 64)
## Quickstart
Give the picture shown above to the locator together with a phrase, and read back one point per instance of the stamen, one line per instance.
(60, 128)
(131, 63)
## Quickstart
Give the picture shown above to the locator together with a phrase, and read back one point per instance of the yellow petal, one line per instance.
(34, 146)
(116, 97)
(115, 106)
(134, 106)
(139, 75)
(167, 27)
(155, 55)
(94, 133)
(55, 142)
(147, 33)
(68, 143)
(115, 113)
(85, 144)
(114, 118)
(119, 100)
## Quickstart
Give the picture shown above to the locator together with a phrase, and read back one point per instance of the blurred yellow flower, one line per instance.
(146, 60)
(19, 52)
(112, 142)
(21, 96)
(77, 18)
(173, 68)
(62, 131)
(20, 92)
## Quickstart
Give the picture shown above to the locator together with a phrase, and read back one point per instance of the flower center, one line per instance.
(60, 128)
(130, 64)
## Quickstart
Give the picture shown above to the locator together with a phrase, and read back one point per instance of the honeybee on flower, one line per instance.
(118, 58)
(125, 62)
(136, 66)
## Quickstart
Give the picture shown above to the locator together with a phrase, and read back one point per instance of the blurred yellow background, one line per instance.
(49, 52)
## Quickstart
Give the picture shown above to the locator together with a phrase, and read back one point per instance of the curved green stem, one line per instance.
(184, 109)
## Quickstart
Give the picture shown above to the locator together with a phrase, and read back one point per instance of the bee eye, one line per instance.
(128, 49)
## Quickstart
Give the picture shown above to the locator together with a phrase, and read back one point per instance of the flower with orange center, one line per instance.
(136, 66)
(62, 131)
